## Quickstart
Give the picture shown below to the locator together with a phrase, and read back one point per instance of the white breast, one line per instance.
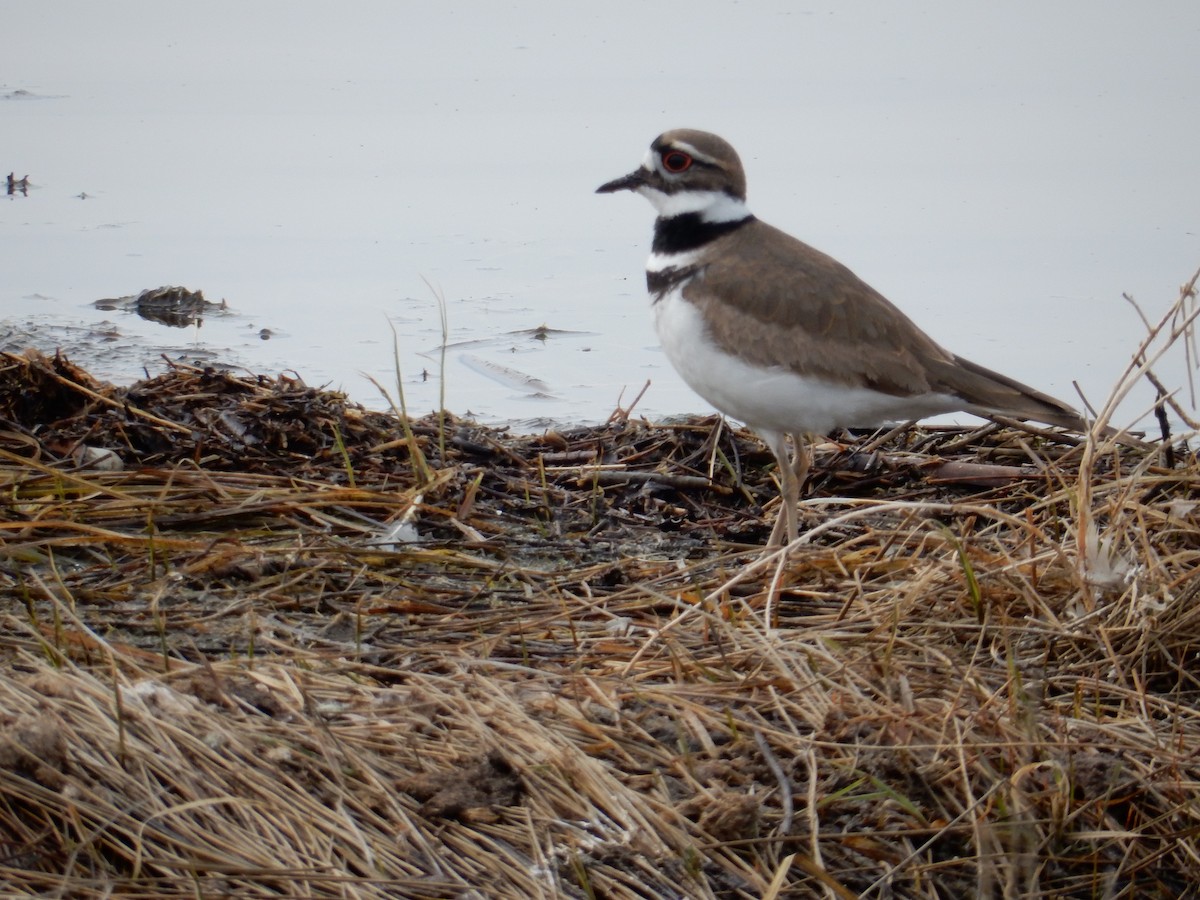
(774, 398)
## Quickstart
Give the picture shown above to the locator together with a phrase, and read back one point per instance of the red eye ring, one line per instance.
(676, 161)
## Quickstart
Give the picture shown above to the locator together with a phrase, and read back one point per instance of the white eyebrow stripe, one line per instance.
(694, 153)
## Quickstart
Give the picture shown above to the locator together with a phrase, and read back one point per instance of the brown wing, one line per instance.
(809, 313)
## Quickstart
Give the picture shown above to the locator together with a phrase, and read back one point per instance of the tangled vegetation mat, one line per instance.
(258, 641)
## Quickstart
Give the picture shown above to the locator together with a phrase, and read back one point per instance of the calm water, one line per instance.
(1003, 175)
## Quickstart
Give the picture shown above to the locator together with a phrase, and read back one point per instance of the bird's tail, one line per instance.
(992, 393)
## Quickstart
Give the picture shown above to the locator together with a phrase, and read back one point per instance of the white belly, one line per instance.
(774, 399)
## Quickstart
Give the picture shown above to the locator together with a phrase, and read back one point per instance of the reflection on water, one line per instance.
(169, 305)
(326, 176)
(18, 185)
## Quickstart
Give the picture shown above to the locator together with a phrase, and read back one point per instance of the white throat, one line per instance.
(713, 206)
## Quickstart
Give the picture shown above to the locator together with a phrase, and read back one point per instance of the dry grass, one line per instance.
(579, 683)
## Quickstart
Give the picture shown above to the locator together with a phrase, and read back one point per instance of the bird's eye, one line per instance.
(676, 161)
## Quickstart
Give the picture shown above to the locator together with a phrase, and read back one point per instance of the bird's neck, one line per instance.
(688, 232)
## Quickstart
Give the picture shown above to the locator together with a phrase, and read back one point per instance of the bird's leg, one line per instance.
(801, 460)
(789, 490)
(793, 474)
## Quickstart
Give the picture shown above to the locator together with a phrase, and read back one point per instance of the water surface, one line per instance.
(1002, 174)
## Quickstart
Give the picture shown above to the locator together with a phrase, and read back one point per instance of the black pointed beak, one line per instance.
(630, 182)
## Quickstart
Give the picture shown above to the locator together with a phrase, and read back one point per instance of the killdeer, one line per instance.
(775, 333)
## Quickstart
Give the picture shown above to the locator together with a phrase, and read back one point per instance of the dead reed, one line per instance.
(224, 676)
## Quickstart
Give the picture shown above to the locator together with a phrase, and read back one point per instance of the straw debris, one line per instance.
(572, 673)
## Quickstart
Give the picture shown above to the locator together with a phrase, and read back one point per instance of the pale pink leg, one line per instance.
(792, 475)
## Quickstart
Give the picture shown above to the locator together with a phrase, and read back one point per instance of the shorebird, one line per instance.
(781, 336)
